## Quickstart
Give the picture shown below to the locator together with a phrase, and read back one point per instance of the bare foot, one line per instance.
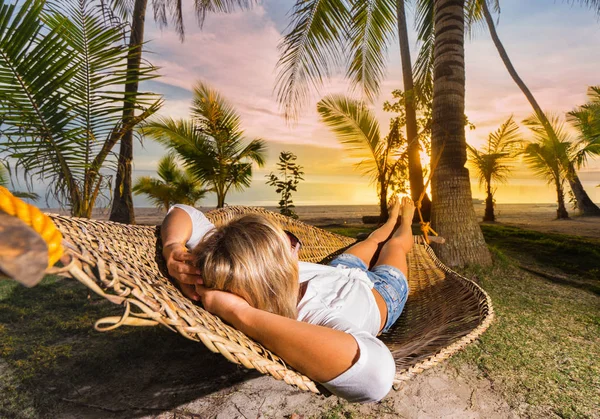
(408, 208)
(394, 207)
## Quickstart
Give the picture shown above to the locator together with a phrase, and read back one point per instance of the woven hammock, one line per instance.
(123, 263)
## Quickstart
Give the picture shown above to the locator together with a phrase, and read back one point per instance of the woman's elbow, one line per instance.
(380, 383)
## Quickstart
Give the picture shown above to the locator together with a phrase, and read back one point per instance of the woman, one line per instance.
(322, 320)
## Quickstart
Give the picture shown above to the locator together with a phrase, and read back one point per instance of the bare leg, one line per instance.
(397, 247)
(365, 250)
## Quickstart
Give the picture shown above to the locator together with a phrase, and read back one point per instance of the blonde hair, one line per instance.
(251, 257)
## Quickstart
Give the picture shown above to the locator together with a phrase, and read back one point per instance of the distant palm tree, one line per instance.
(122, 207)
(491, 162)
(548, 156)
(211, 144)
(175, 186)
(586, 119)
(357, 128)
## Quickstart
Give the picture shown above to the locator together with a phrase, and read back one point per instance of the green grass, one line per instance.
(544, 346)
(543, 350)
(573, 255)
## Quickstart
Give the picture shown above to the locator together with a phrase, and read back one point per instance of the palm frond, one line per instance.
(586, 119)
(373, 23)
(505, 138)
(311, 49)
(550, 155)
(165, 10)
(593, 5)
(214, 113)
(35, 67)
(353, 123)
(423, 66)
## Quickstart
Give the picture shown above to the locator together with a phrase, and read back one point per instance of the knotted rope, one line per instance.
(37, 220)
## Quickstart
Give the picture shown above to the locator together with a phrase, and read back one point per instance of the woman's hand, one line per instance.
(179, 265)
(224, 304)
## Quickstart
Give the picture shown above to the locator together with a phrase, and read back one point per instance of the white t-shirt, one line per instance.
(339, 298)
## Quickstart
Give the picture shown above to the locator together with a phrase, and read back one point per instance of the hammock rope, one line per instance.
(35, 219)
(123, 263)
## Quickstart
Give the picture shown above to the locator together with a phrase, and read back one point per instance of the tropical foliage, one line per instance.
(135, 11)
(175, 186)
(211, 144)
(548, 155)
(586, 119)
(60, 66)
(4, 181)
(357, 128)
(291, 175)
(492, 162)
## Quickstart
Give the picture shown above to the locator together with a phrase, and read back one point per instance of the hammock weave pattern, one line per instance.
(124, 264)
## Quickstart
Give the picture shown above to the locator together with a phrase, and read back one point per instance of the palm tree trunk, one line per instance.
(122, 206)
(452, 214)
(415, 170)
(561, 212)
(489, 204)
(584, 203)
(383, 210)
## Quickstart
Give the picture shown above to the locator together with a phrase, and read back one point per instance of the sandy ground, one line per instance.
(542, 217)
(438, 393)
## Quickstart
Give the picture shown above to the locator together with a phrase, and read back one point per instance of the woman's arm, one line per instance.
(319, 352)
(176, 231)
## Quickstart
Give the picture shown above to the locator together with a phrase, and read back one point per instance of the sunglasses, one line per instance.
(294, 240)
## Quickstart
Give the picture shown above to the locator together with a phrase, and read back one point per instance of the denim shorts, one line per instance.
(387, 280)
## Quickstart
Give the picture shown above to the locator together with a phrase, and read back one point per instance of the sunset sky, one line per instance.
(553, 46)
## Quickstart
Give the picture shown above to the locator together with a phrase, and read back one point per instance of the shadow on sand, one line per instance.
(65, 368)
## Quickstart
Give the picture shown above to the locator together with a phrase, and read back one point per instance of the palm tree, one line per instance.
(175, 186)
(452, 214)
(59, 65)
(476, 11)
(357, 128)
(325, 35)
(122, 207)
(549, 155)
(586, 119)
(415, 170)
(584, 203)
(491, 162)
(211, 144)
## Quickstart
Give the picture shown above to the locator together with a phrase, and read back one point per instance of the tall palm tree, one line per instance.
(548, 154)
(174, 186)
(211, 143)
(357, 128)
(415, 170)
(355, 34)
(59, 65)
(122, 207)
(491, 162)
(584, 203)
(452, 215)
